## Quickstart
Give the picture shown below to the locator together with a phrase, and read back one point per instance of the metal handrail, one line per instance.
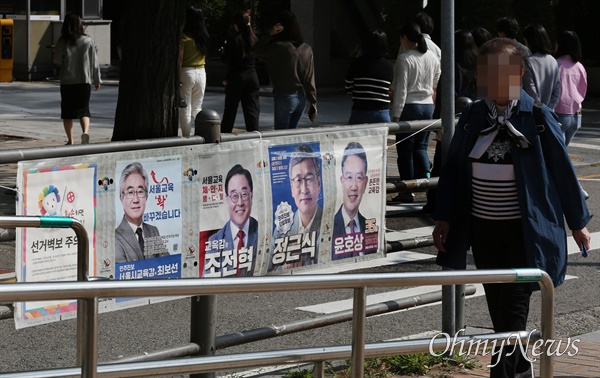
(91, 291)
(83, 266)
(14, 156)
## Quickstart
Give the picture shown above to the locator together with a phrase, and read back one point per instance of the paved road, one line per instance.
(30, 110)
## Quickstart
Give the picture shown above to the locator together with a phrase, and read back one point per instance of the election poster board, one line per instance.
(308, 190)
(148, 218)
(178, 212)
(297, 204)
(51, 254)
(359, 178)
(231, 212)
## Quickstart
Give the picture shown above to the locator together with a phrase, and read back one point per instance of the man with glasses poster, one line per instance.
(296, 236)
(134, 238)
(231, 251)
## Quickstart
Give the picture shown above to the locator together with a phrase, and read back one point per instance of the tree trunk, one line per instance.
(149, 80)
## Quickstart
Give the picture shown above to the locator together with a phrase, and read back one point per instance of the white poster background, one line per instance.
(371, 204)
(163, 174)
(214, 205)
(50, 254)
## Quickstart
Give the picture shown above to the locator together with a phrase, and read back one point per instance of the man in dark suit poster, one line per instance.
(304, 174)
(134, 238)
(349, 224)
(231, 251)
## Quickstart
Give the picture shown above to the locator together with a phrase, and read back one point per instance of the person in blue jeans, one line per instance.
(416, 76)
(290, 65)
(368, 80)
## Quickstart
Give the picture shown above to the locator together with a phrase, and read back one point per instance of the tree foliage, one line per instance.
(148, 86)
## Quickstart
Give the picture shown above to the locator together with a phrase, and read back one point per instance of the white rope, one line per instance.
(415, 133)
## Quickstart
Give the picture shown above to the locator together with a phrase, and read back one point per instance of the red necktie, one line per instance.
(351, 225)
(240, 245)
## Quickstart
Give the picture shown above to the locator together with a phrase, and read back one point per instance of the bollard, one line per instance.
(208, 126)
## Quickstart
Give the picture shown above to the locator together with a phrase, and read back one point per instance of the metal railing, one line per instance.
(83, 264)
(35, 153)
(92, 291)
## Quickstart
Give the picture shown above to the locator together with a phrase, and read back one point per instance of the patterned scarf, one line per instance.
(498, 122)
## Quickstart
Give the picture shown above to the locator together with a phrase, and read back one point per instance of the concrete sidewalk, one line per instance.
(31, 112)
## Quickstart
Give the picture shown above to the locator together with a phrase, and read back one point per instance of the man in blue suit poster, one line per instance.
(231, 251)
(296, 243)
(349, 225)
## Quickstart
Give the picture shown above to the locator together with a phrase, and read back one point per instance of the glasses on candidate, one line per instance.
(140, 193)
(309, 180)
(235, 196)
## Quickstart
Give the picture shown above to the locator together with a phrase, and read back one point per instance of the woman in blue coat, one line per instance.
(505, 188)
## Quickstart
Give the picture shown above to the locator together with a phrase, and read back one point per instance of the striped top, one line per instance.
(494, 188)
(368, 81)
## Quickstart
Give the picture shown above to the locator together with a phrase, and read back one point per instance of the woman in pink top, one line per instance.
(573, 79)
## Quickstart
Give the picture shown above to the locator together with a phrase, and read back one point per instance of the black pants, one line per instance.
(241, 86)
(500, 245)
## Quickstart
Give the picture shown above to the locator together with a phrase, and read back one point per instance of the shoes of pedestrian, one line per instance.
(85, 138)
(586, 195)
(403, 197)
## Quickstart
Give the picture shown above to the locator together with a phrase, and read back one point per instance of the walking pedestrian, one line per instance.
(504, 190)
(241, 83)
(416, 75)
(508, 27)
(368, 81)
(290, 65)
(76, 53)
(192, 75)
(573, 81)
(541, 81)
(480, 36)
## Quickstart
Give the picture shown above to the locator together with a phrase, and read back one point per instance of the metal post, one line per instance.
(203, 327)
(359, 310)
(547, 289)
(459, 322)
(319, 369)
(449, 309)
(28, 41)
(448, 111)
(89, 309)
(84, 336)
(447, 27)
(87, 321)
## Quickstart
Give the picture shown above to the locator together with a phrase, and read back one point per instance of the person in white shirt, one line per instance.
(416, 76)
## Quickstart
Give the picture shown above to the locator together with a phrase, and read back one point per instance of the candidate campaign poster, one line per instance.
(148, 219)
(230, 216)
(357, 227)
(50, 254)
(297, 205)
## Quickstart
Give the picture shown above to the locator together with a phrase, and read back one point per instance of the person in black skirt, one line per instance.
(76, 53)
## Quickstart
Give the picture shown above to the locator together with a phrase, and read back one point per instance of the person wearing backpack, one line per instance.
(504, 190)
